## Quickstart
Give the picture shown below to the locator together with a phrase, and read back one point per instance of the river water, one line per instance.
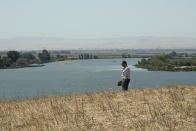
(80, 76)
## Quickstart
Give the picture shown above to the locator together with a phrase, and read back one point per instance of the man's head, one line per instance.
(124, 63)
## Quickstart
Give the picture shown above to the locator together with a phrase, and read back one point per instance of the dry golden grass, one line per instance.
(171, 108)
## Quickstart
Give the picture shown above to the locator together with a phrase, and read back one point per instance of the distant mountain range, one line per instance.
(140, 42)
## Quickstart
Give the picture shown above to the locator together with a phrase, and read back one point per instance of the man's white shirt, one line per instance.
(126, 73)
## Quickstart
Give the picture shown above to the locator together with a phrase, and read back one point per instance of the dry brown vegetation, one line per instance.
(171, 108)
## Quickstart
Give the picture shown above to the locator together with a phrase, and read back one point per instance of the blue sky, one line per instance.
(97, 18)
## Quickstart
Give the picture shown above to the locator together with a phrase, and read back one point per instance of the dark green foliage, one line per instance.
(87, 56)
(127, 55)
(124, 55)
(7, 62)
(44, 56)
(29, 58)
(13, 55)
(22, 62)
(15, 60)
(59, 57)
(1, 62)
(169, 62)
(95, 57)
(173, 54)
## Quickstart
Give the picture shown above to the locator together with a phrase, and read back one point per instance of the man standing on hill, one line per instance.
(125, 76)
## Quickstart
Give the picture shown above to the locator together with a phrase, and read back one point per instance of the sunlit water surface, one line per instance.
(80, 76)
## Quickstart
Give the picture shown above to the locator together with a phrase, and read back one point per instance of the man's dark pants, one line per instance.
(126, 84)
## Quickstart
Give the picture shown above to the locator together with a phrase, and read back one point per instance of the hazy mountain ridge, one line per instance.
(140, 42)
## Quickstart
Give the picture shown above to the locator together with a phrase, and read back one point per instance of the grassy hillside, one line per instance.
(171, 108)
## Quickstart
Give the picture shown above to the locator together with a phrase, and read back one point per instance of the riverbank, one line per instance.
(171, 108)
(33, 65)
(185, 68)
(169, 62)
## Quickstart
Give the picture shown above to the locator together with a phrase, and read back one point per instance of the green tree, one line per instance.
(124, 55)
(13, 55)
(60, 57)
(7, 62)
(44, 56)
(186, 55)
(173, 54)
(29, 58)
(144, 61)
(21, 62)
(1, 62)
(95, 57)
(85, 56)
